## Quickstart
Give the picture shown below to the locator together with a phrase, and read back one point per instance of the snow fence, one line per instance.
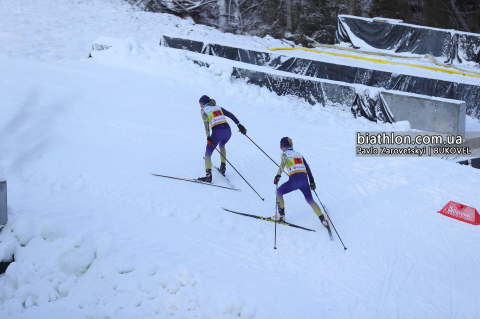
(342, 73)
(361, 101)
(450, 45)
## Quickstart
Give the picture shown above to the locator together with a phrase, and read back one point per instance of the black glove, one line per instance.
(242, 129)
(312, 185)
(276, 179)
(209, 140)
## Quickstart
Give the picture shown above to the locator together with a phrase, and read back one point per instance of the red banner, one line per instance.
(461, 212)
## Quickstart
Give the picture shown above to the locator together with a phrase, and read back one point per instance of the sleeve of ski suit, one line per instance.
(283, 164)
(230, 115)
(206, 122)
(309, 172)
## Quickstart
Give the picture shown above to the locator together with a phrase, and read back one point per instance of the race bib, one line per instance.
(298, 166)
(295, 162)
(215, 115)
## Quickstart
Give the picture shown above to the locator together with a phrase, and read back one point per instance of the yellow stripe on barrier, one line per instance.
(380, 61)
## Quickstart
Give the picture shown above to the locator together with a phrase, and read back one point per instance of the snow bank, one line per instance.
(24, 230)
(96, 278)
(52, 230)
(137, 55)
(70, 38)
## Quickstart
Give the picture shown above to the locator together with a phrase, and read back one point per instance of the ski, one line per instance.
(224, 177)
(270, 219)
(329, 232)
(197, 181)
(328, 227)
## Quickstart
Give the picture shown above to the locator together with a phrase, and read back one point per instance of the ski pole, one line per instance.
(263, 151)
(237, 172)
(276, 208)
(344, 248)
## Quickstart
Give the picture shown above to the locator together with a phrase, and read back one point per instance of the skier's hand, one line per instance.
(209, 140)
(242, 129)
(276, 179)
(312, 185)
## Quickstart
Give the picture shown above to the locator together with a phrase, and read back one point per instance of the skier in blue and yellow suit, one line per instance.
(297, 169)
(215, 116)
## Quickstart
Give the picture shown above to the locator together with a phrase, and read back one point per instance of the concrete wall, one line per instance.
(426, 113)
(473, 142)
(3, 204)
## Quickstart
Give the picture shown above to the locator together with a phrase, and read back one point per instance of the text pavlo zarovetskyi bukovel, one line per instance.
(409, 144)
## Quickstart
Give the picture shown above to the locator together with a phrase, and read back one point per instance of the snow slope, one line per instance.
(103, 238)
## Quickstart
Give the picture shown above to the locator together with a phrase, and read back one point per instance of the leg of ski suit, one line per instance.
(298, 181)
(220, 137)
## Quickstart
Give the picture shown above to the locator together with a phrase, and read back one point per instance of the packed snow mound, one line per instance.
(76, 255)
(106, 246)
(24, 230)
(51, 230)
(53, 267)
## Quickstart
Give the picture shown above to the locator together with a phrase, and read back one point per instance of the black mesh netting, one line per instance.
(449, 45)
(348, 74)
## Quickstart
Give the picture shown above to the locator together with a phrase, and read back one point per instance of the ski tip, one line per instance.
(345, 248)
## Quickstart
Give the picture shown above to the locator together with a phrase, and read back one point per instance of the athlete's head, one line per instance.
(204, 100)
(286, 142)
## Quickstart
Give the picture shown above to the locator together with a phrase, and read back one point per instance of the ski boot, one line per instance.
(222, 169)
(323, 220)
(208, 178)
(281, 215)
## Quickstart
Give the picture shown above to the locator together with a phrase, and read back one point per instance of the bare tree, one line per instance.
(352, 7)
(458, 16)
(222, 17)
(289, 31)
(181, 8)
(304, 21)
(293, 8)
(296, 8)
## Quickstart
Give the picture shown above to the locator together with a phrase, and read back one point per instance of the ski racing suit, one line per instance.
(215, 116)
(297, 169)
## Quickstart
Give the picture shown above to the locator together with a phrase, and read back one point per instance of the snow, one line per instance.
(94, 235)
(381, 19)
(76, 256)
(472, 124)
(24, 230)
(52, 230)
